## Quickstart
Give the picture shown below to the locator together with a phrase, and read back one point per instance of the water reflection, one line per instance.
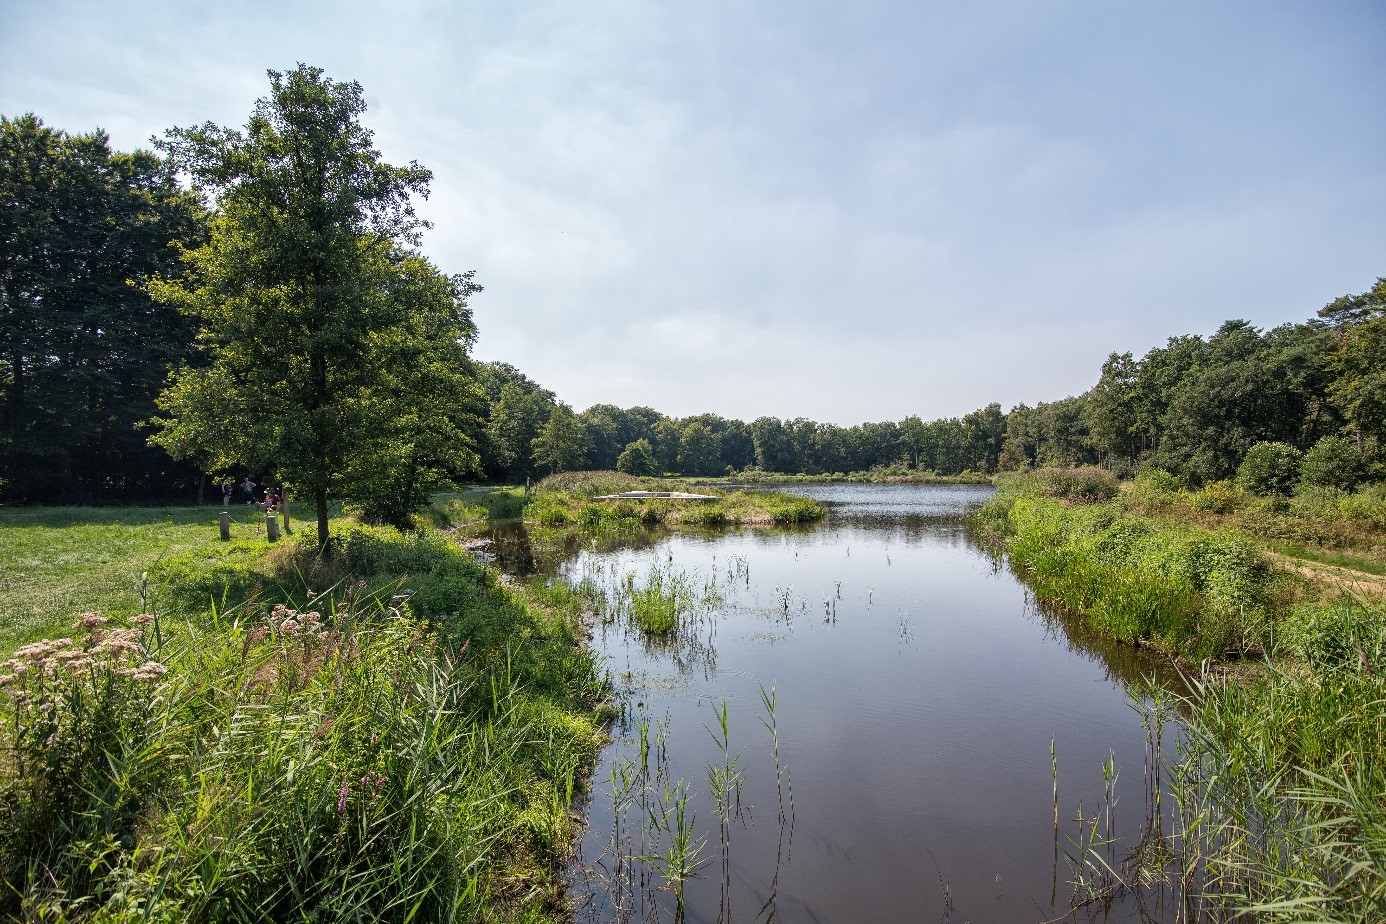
(904, 765)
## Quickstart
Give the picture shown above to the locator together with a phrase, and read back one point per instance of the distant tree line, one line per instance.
(1194, 407)
(119, 284)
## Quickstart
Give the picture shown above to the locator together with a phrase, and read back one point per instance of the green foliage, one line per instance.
(565, 499)
(330, 352)
(1188, 591)
(83, 353)
(1269, 468)
(516, 409)
(698, 453)
(1332, 462)
(1282, 780)
(658, 602)
(1340, 636)
(562, 442)
(1358, 360)
(1087, 484)
(637, 459)
(1218, 497)
(405, 769)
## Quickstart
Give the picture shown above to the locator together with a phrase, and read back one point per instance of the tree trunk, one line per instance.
(320, 496)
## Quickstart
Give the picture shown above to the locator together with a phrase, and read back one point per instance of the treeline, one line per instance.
(530, 433)
(88, 233)
(84, 350)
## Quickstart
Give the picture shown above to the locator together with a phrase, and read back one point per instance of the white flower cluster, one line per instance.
(56, 660)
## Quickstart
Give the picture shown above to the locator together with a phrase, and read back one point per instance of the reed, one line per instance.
(1191, 592)
(346, 759)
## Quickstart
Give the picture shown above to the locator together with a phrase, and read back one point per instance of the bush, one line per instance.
(1218, 497)
(637, 459)
(1270, 468)
(1333, 462)
(1087, 483)
(1153, 489)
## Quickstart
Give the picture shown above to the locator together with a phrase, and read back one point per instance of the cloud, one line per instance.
(841, 213)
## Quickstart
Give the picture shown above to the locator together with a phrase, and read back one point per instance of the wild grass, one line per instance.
(1190, 592)
(1315, 520)
(407, 745)
(1279, 787)
(1278, 790)
(566, 500)
(892, 474)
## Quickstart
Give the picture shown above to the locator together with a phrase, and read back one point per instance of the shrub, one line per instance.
(1270, 468)
(1332, 462)
(1218, 497)
(1152, 489)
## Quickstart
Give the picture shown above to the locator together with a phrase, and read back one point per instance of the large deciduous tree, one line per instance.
(328, 349)
(83, 349)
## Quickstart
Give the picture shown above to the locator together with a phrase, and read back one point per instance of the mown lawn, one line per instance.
(58, 562)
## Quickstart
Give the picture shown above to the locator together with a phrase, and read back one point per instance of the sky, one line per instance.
(845, 212)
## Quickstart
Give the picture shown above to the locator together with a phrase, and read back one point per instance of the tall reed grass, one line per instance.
(1191, 592)
(339, 759)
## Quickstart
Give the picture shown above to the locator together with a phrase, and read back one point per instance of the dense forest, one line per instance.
(87, 345)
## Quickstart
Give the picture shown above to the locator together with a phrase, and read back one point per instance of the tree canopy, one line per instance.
(328, 349)
(83, 350)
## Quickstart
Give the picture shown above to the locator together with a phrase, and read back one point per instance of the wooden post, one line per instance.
(284, 504)
(271, 526)
(225, 526)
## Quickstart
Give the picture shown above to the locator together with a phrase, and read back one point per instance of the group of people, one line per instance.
(270, 498)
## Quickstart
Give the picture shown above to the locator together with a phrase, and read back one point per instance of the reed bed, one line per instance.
(1190, 592)
(566, 500)
(338, 757)
(1275, 799)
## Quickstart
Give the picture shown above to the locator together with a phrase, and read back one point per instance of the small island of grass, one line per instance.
(575, 498)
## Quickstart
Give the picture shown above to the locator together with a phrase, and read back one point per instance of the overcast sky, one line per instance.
(840, 211)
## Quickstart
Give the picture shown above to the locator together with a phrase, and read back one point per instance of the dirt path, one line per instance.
(1333, 578)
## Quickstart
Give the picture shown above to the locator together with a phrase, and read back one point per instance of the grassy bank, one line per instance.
(390, 733)
(567, 499)
(1280, 786)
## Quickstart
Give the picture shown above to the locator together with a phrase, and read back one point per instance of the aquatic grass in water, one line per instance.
(664, 597)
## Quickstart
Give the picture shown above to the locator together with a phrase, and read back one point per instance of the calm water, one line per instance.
(918, 689)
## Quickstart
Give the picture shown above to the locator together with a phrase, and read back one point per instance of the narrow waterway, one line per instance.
(916, 690)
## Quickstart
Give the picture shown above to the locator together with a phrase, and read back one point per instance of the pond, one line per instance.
(857, 721)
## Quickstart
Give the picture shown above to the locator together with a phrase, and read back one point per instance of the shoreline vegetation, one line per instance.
(255, 731)
(250, 730)
(1279, 784)
(569, 498)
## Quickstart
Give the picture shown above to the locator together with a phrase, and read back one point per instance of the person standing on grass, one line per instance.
(248, 487)
(227, 485)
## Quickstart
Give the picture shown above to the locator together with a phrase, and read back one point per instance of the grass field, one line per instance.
(261, 733)
(57, 562)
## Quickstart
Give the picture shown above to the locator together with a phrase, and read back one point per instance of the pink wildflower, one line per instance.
(91, 621)
(341, 799)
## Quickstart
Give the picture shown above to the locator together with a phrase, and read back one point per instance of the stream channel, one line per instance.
(916, 687)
